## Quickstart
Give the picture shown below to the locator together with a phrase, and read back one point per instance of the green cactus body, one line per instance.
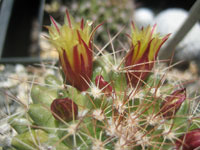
(127, 115)
(43, 95)
(52, 80)
(37, 139)
(29, 140)
(42, 116)
(20, 124)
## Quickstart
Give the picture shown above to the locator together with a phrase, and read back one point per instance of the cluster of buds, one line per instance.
(73, 41)
(127, 116)
(74, 44)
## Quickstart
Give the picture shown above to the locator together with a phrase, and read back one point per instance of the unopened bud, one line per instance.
(64, 109)
(189, 141)
(102, 84)
(172, 103)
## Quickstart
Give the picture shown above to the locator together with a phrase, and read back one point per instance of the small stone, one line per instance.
(19, 68)
(2, 67)
(170, 21)
(143, 17)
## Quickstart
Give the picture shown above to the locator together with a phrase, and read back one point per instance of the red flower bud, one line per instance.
(189, 141)
(173, 102)
(102, 84)
(65, 109)
(73, 42)
(144, 49)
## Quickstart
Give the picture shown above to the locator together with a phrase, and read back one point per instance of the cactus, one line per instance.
(105, 11)
(106, 102)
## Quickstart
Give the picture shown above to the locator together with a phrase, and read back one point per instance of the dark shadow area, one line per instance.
(19, 34)
(164, 4)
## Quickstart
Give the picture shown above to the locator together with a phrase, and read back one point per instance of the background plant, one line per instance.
(105, 11)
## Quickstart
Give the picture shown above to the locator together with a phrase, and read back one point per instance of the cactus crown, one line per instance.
(130, 107)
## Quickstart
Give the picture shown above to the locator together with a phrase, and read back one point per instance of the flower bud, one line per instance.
(102, 84)
(172, 103)
(73, 42)
(189, 141)
(143, 52)
(65, 109)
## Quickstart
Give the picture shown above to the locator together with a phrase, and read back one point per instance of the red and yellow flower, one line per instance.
(73, 42)
(145, 45)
